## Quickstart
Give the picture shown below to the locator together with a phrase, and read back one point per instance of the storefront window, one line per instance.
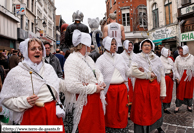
(155, 16)
(168, 10)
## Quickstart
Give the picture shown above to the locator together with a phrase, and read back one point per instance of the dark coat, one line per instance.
(61, 59)
(94, 55)
(54, 61)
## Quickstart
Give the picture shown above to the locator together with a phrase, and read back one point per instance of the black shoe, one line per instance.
(167, 112)
(160, 130)
(176, 111)
(190, 110)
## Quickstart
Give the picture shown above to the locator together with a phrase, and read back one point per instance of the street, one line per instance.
(181, 122)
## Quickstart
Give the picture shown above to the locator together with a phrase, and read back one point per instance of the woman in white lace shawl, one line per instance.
(169, 77)
(84, 82)
(185, 78)
(149, 89)
(115, 72)
(128, 55)
(29, 98)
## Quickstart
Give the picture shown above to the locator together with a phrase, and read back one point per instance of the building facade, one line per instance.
(132, 14)
(45, 12)
(186, 23)
(8, 25)
(163, 26)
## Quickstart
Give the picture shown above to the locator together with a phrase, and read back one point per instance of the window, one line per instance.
(115, 1)
(142, 15)
(32, 6)
(155, 16)
(27, 24)
(27, 3)
(21, 21)
(126, 19)
(110, 3)
(32, 27)
(185, 2)
(168, 10)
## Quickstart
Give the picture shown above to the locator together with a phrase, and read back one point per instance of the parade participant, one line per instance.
(77, 18)
(85, 83)
(149, 89)
(95, 33)
(62, 38)
(116, 31)
(169, 71)
(26, 88)
(14, 60)
(184, 77)
(115, 73)
(128, 55)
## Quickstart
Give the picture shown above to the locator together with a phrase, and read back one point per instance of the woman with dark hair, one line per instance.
(184, 76)
(149, 89)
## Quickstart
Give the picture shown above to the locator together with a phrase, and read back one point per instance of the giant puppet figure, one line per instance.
(95, 33)
(77, 18)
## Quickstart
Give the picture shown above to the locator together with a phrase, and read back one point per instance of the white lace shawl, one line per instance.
(107, 66)
(184, 63)
(150, 63)
(78, 72)
(18, 83)
(128, 59)
(168, 65)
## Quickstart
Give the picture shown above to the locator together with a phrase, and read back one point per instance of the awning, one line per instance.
(159, 41)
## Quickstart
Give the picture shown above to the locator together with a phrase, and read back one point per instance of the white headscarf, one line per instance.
(185, 49)
(165, 52)
(126, 45)
(153, 45)
(107, 43)
(24, 50)
(81, 37)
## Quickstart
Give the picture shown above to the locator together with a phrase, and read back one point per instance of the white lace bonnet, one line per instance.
(107, 43)
(81, 37)
(153, 45)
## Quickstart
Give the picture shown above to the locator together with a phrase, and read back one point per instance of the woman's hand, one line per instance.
(32, 99)
(141, 69)
(177, 80)
(153, 75)
(103, 85)
(99, 89)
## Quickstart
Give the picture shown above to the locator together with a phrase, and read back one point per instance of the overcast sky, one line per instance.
(90, 9)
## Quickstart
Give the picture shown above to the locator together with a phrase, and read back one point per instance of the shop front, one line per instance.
(185, 16)
(166, 36)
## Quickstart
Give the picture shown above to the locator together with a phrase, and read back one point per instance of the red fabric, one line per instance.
(130, 92)
(92, 117)
(116, 109)
(146, 108)
(169, 88)
(171, 58)
(42, 116)
(185, 88)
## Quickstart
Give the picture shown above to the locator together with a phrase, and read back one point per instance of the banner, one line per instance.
(20, 9)
(187, 36)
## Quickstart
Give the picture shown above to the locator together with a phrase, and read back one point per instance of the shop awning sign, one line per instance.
(20, 9)
(187, 36)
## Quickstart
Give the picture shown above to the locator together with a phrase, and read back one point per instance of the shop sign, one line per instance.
(187, 9)
(161, 33)
(20, 9)
(187, 36)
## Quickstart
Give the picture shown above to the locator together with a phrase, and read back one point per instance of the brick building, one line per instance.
(132, 14)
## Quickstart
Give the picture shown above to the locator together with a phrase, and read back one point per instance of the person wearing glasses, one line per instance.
(149, 89)
(25, 90)
(115, 72)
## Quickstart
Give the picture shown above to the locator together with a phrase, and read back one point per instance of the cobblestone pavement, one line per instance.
(181, 122)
